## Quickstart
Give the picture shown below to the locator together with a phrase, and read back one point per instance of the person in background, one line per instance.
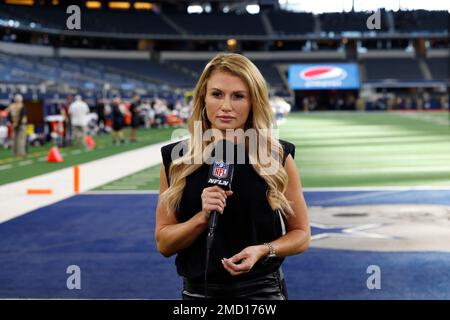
(118, 121)
(443, 100)
(149, 113)
(134, 110)
(67, 125)
(100, 110)
(185, 112)
(18, 117)
(78, 112)
(161, 112)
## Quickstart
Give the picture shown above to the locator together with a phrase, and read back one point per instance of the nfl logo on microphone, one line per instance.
(220, 170)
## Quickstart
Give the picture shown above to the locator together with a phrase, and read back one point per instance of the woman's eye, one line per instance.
(216, 94)
(238, 96)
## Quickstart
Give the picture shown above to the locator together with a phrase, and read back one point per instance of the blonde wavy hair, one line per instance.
(260, 119)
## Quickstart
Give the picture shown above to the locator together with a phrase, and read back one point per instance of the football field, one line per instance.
(377, 187)
(355, 150)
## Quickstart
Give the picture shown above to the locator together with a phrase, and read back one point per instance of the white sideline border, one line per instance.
(15, 202)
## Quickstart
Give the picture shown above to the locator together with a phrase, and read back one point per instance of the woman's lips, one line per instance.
(225, 119)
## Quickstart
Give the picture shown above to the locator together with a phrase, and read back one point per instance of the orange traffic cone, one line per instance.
(54, 155)
(90, 142)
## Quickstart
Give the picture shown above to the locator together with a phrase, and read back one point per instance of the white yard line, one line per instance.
(5, 166)
(15, 202)
(425, 117)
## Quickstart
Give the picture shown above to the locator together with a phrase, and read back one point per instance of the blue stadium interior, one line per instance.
(410, 46)
(161, 52)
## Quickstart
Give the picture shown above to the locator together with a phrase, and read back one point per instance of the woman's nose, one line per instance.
(226, 105)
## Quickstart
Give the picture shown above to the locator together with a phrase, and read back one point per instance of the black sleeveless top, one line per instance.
(247, 220)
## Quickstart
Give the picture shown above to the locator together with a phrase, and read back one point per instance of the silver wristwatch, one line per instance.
(272, 253)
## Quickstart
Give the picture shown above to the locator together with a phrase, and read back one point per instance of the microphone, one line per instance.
(220, 174)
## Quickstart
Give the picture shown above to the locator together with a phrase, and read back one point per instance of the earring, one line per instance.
(203, 113)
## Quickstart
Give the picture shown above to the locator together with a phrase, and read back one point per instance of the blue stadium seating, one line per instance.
(284, 22)
(391, 68)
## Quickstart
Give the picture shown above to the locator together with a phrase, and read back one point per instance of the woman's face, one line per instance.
(227, 101)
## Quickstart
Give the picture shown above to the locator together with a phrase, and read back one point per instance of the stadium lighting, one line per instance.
(426, 5)
(321, 6)
(207, 8)
(20, 2)
(375, 5)
(119, 5)
(93, 4)
(348, 6)
(13, 23)
(194, 9)
(231, 42)
(143, 6)
(252, 8)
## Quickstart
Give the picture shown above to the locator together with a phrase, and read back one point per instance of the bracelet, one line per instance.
(272, 252)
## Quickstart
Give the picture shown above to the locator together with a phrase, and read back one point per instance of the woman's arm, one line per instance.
(172, 236)
(295, 240)
(298, 233)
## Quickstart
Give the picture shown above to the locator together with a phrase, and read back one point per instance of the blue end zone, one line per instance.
(110, 237)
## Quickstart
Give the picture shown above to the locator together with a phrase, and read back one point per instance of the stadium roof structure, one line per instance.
(270, 25)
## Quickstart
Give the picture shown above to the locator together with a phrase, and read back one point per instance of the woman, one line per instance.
(117, 117)
(262, 219)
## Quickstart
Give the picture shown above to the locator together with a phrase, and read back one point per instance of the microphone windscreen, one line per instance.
(221, 174)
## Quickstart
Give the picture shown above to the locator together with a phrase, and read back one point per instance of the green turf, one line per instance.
(147, 179)
(333, 150)
(369, 149)
(354, 149)
(13, 169)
